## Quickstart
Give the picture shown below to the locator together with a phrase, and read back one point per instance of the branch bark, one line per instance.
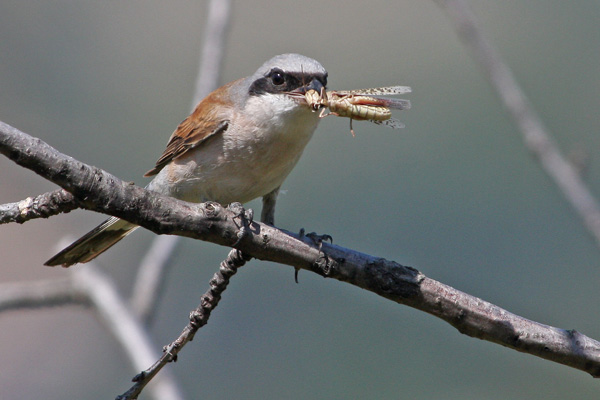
(100, 191)
(42, 206)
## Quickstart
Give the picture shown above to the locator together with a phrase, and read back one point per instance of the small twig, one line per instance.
(89, 287)
(43, 206)
(198, 318)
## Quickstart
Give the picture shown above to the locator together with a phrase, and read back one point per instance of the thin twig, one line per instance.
(535, 135)
(198, 318)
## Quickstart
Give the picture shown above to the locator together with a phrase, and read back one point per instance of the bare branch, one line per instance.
(97, 190)
(535, 135)
(42, 206)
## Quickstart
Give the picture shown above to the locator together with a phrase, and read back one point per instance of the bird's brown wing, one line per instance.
(210, 118)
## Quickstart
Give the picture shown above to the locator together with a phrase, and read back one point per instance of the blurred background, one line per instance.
(454, 194)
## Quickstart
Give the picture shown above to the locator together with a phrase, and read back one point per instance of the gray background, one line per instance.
(455, 194)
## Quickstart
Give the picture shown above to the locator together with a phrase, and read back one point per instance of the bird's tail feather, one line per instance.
(94, 243)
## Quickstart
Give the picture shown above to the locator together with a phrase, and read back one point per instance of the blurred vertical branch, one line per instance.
(536, 137)
(150, 278)
(213, 49)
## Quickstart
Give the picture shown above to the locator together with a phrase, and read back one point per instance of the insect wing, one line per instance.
(390, 123)
(382, 91)
(395, 104)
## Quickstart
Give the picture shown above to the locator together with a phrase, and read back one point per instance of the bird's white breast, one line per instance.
(251, 158)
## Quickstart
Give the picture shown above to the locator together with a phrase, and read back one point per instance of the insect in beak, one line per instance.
(360, 104)
(300, 93)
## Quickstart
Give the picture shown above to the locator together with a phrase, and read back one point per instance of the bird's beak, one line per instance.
(299, 93)
(315, 84)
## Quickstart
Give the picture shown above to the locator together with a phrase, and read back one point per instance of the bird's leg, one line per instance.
(267, 214)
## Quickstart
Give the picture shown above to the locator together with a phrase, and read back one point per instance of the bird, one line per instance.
(240, 143)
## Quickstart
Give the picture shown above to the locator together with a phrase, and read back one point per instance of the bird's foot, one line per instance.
(246, 218)
(317, 240)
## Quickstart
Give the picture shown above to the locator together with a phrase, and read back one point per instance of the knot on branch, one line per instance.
(211, 209)
(325, 265)
(246, 217)
(393, 279)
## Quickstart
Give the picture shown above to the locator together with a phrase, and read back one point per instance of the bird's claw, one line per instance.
(317, 240)
(246, 218)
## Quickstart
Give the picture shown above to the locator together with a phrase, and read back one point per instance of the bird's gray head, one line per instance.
(288, 73)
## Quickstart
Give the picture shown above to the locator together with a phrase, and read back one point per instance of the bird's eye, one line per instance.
(277, 78)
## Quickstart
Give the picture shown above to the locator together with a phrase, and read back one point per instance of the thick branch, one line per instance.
(100, 191)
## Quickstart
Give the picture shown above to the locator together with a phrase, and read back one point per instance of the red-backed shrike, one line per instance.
(240, 143)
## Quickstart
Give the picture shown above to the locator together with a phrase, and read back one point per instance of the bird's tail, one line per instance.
(94, 243)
